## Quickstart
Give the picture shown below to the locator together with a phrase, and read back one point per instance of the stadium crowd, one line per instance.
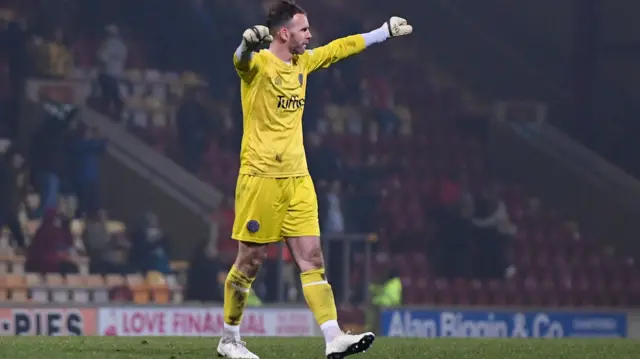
(50, 172)
(395, 148)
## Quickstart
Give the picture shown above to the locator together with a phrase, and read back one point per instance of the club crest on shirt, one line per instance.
(277, 81)
(301, 79)
(253, 226)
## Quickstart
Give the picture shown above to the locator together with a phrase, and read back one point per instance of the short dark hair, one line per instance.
(282, 12)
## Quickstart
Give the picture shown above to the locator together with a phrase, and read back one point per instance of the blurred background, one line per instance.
(486, 161)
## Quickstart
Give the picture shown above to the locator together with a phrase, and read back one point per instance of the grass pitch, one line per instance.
(279, 348)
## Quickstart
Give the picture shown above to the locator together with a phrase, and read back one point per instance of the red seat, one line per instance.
(411, 293)
(442, 292)
(461, 292)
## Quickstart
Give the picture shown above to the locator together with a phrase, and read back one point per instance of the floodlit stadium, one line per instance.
(286, 179)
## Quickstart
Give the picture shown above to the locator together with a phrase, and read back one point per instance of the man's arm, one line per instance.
(244, 60)
(345, 47)
(244, 63)
(327, 55)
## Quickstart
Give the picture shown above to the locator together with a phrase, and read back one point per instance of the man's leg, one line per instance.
(49, 187)
(13, 222)
(238, 284)
(302, 230)
(307, 252)
(317, 291)
(258, 222)
(236, 291)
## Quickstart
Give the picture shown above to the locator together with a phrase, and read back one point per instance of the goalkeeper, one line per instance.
(275, 196)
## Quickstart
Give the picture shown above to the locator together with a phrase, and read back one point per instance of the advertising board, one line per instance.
(47, 321)
(509, 324)
(200, 321)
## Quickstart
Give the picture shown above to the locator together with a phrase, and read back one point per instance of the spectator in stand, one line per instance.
(86, 153)
(194, 128)
(149, 251)
(403, 114)
(60, 60)
(453, 236)
(491, 223)
(107, 252)
(384, 293)
(52, 58)
(204, 266)
(13, 183)
(113, 57)
(51, 249)
(332, 219)
(49, 156)
(451, 247)
(331, 214)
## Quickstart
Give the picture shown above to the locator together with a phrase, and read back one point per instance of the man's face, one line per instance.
(297, 34)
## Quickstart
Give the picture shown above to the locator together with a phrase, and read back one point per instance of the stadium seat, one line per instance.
(78, 287)
(114, 280)
(39, 293)
(157, 284)
(175, 288)
(56, 284)
(100, 292)
(139, 288)
(53, 279)
(10, 263)
(13, 287)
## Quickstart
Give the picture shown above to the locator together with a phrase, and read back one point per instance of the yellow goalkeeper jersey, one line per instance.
(273, 98)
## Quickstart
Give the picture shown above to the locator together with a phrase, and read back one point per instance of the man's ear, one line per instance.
(284, 32)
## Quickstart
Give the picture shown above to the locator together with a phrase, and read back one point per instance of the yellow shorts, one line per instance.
(270, 209)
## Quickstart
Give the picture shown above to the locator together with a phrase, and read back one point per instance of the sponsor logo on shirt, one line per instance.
(292, 103)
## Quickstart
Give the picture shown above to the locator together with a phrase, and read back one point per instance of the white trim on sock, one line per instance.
(315, 283)
(329, 324)
(243, 290)
(330, 330)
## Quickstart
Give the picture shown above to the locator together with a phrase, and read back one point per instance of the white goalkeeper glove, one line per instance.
(255, 36)
(397, 26)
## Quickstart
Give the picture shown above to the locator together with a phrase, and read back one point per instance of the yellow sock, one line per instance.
(236, 292)
(319, 296)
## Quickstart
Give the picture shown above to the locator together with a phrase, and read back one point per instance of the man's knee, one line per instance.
(250, 258)
(307, 252)
(314, 259)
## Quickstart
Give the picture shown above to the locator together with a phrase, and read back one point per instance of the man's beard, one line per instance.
(298, 50)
